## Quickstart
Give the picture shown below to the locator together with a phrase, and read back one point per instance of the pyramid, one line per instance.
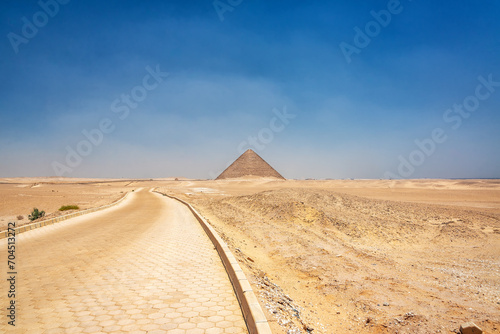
(249, 164)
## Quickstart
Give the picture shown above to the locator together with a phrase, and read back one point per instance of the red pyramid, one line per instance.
(249, 164)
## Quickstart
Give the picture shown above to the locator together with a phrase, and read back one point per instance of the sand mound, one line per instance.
(373, 265)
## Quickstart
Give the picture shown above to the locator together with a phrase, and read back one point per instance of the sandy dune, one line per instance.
(337, 256)
(417, 256)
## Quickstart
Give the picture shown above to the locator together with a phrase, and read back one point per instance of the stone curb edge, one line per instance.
(252, 312)
(5, 233)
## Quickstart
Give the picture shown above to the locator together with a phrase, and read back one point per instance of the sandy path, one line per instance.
(144, 266)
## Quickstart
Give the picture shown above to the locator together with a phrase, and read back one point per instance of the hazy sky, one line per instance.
(320, 89)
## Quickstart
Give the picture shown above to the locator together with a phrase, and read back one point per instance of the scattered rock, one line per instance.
(470, 328)
(307, 328)
(386, 304)
(409, 315)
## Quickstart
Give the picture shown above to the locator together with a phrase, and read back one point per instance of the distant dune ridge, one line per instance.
(249, 164)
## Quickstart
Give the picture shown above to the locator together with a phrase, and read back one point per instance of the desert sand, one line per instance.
(334, 256)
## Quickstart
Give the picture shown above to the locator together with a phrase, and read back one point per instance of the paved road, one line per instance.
(143, 266)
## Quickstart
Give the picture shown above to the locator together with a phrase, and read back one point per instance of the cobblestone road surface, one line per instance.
(143, 266)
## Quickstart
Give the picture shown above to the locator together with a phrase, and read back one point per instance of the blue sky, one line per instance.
(347, 114)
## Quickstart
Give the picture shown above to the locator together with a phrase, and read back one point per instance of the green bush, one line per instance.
(36, 214)
(69, 207)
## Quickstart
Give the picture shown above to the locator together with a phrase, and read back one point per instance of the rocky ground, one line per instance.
(331, 262)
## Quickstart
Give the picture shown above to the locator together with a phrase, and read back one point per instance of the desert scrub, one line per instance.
(36, 214)
(20, 217)
(69, 207)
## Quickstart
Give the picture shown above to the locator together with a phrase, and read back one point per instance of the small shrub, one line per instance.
(36, 214)
(69, 207)
(20, 217)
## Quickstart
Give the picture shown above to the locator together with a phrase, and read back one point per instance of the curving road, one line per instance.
(143, 266)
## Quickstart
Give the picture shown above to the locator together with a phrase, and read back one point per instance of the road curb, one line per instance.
(252, 312)
(5, 233)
